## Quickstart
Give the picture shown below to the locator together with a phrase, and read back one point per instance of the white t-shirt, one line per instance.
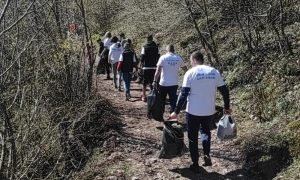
(203, 81)
(170, 64)
(107, 43)
(115, 52)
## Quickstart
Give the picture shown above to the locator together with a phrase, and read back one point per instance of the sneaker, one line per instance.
(195, 168)
(207, 161)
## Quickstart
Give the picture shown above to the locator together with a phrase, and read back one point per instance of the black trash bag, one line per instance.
(155, 107)
(172, 141)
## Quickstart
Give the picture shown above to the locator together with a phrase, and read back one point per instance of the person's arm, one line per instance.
(226, 99)
(143, 55)
(135, 62)
(159, 66)
(185, 91)
(157, 73)
(109, 55)
(224, 92)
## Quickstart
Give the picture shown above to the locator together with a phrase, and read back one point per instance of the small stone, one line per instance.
(148, 152)
(148, 163)
(104, 144)
(135, 178)
(153, 160)
(112, 178)
(120, 173)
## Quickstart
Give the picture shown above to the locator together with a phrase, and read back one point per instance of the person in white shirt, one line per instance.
(199, 89)
(115, 52)
(167, 70)
(105, 52)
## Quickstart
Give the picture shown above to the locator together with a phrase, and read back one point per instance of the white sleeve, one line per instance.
(143, 50)
(134, 60)
(121, 57)
(109, 54)
(219, 79)
(186, 80)
(160, 62)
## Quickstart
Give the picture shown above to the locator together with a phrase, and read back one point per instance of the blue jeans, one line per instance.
(127, 80)
(194, 124)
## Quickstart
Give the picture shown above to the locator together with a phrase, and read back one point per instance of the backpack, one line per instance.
(155, 107)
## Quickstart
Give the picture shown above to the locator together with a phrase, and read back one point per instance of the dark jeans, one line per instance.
(127, 80)
(194, 124)
(171, 91)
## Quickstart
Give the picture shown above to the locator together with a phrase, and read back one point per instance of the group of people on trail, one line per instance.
(198, 90)
(118, 55)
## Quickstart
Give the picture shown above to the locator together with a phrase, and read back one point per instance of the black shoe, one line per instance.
(127, 97)
(108, 78)
(195, 168)
(207, 161)
(120, 89)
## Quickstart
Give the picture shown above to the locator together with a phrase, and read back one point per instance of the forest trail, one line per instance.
(134, 154)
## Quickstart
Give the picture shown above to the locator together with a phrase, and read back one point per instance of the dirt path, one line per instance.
(134, 155)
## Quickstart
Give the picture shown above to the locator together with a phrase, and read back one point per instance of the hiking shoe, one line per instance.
(195, 168)
(207, 161)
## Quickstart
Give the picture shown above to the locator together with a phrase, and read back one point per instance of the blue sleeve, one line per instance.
(225, 93)
(185, 91)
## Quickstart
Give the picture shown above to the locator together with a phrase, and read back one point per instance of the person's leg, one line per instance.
(206, 138)
(145, 83)
(172, 92)
(120, 80)
(193, 125)
(114, 69)
(126, 78)
(128, 83)
(163, 90)
(151, 77)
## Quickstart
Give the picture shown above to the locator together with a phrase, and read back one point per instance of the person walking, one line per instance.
(167, 70)
(199, 89)
(126, 64)
(104, 54)
(149, 59)
(115, 52)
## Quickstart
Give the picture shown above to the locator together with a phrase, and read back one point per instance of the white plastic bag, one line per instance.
(226, 128)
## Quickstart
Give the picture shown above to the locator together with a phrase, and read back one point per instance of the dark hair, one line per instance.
(150, 37)
(114, 39)
(170, 48)
(108, 34)
(122, 35)
(197, 55)
(129, 41)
